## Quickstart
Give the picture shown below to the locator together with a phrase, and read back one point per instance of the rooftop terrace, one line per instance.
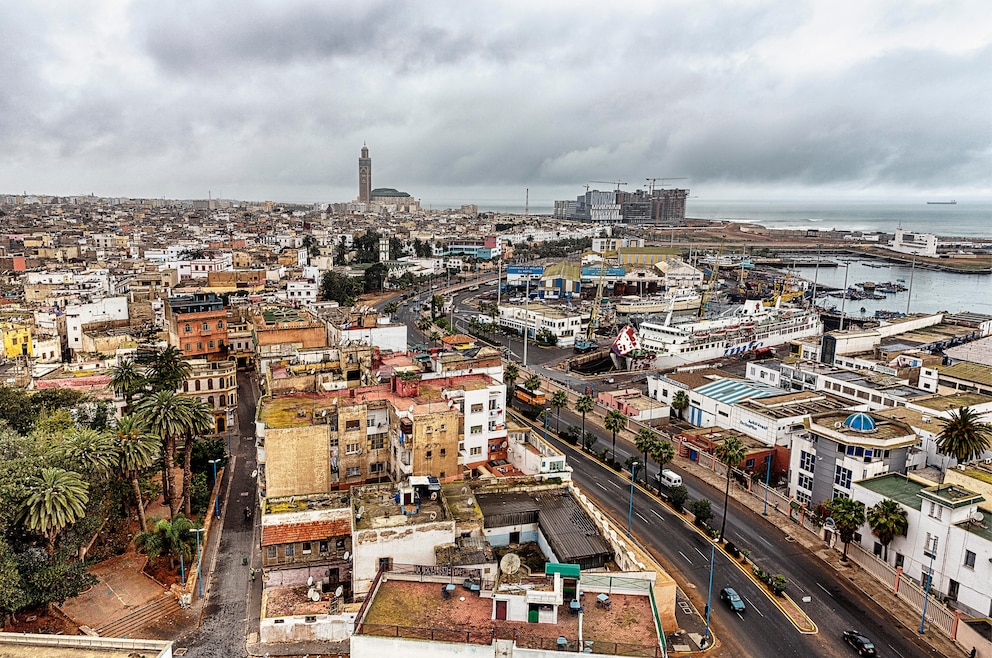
(379, 508)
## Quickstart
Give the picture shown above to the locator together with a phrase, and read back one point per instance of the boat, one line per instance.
(681, 299)
(942, 203)
(673, 343)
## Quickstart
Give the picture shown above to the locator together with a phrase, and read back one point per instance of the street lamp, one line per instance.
(926, 596)
(216, 489)
(630, 510)
(843, 299)
(709, 597)
(768, 474)
(199, 559)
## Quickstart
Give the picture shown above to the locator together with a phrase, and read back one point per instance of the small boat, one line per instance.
(942, 203)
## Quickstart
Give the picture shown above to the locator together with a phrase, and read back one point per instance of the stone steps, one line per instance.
(131, 624)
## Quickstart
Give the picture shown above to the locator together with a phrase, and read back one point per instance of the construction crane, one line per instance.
(712, 282)
(590, 343)
(618, 183)
(658, 178)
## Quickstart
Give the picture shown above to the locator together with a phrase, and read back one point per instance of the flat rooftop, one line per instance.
(794, 404)
(468, 618)
(970, 372)
(954, 401)
(30, 645)
(380, 510)
(897, 487)
(886, 428)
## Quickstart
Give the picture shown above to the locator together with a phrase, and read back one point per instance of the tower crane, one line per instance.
(658, 178)
(618, 183)
(712, 282)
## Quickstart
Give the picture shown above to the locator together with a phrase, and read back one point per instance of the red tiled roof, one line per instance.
(292, 533)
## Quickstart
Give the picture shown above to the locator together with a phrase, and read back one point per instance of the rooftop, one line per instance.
(379, 508)
(954, 401)
(794, 404)
(887, 430)
(30, 645)
(972, 372)
(897, 487)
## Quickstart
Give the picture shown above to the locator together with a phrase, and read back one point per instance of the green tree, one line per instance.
(127, 380)
(198, 420)
(680, 402)
(374, 278)
(391, 308)
(338, 288)
(57, 498)
(545, 336)
(510, 375)
(138, 450)
(165, 416)
(731, 452)
(964, 436)
(848, 515)
(310, 244)
(677, 497)
(645, 442)
(559, 401)
(584, 405)
(51, 579)
(532, 383)
(702, 509)
(615, 422)
(887, 519)
(435, 337)
(167, 369)
(172, 539)
(341, 252)
(89, 451)
(663, 452)
(12, 595)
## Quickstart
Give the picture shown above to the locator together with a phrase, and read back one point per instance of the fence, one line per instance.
(373, 589)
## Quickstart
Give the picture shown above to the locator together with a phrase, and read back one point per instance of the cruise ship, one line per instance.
(681, 299)
(748, 327)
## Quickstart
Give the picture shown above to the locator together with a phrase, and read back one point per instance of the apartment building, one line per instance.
(197, 325)
(216, 384)
(565, 324)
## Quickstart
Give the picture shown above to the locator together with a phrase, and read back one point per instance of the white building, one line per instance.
(920, 244)
(679, 274)
(482, 401)
(302, 291)
(564, 323)
(111, 309)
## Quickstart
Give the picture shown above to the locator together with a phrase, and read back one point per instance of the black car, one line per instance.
(861, 644)
(734, 601)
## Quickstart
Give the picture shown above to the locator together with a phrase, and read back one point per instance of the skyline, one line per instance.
(273, 102)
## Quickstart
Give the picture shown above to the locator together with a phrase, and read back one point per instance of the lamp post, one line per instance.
(843, 299)
(630, 509)
(199, 559)
(926, 596)
(768, 475)
(526, 319)
(709, 596)
(216, 489)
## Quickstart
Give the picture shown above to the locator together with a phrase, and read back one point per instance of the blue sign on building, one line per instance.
(521, 270)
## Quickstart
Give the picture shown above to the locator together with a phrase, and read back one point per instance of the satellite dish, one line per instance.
(339, 591)
(310, 581)
(361, 510)
(433, 515)
(313, 595)
(977, 517)
(292, 499)
(411, 408)
(464, 490)
(469, 501)
(254, 474)
(510, 563)
(830, 523)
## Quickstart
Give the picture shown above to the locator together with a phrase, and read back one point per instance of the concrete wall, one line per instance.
(297, 460)
(300, 628)
(413, 544)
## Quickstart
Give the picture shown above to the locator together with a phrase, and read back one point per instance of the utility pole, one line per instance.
(526, 318)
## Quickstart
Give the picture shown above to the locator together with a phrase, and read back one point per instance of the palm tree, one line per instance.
(558, 401)
(165, 416)
(680, 402)
(532, 383)
(964, 436)
(584, 405)
(137, 453)
(887, 519)
(172, 538)
(89, 451)
(310, 244)
(615, 422)
(199, 420)
(848, 515)
(435, 337)
(168, 369)
(731, 452)
(644, 441)
(391, 307)
(126, 379)
(56, 499)
(510, 375)
(662, 452)
(424, 324)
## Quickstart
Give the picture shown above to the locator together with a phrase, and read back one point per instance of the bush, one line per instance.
(702, 510)
(732, 549)
(678, 495)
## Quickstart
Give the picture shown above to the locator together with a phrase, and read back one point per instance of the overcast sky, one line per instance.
(474, 101)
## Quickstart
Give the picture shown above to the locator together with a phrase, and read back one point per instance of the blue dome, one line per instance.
(860, 422)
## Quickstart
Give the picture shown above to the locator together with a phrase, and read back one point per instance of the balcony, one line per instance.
(495, 413)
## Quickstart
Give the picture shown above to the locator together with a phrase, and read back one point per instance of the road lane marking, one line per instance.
(825, 590)
(641, 517)
(616, 485)
(658, 515)
(600, 486)
(754, 607)
(768, 543)
(700, 552)
(686, 558)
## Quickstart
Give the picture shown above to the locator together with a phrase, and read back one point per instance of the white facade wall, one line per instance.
(302, 291)
(404, 544)
(105, 310)
(386, 337)
(758, 372)
(534, 318)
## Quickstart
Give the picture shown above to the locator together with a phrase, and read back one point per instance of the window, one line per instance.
(377, 442)
(476, 429)
(807, 461)
(290, 550)
(324, 548)
(429, 454)
(444, 452)
(272, 552)
(210, 381)
(189, 346)
(476, 408)
(307, 548)
(477, 450)
(199, 345)
(196, 385)
(841, 494)
(805, 482)
(352, 425)
(353, 472)
(936, 510)
(210, 344)
(205, 327)
(377, 468)
(339, 543)
(969, 559)
(188, 328)
(804, 497)
(220, 324)
(386, 563)
(352, 448)
(842, 477)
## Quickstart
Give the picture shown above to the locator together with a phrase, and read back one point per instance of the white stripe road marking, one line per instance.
(601, 486)
(700, 552)
(753, 607)
(824, 589)
(760, 538)
(658, 515)
(686, 559)
(615, 484)
(641, 517)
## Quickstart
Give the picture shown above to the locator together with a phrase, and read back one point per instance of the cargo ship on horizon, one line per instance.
(942, 203)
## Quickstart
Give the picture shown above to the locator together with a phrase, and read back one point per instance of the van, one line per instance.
(669, 479)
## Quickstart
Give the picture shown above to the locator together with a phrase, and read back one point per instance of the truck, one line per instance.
(584, 345)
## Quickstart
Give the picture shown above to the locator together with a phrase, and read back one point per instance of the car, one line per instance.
(732, 598)
(861, 644)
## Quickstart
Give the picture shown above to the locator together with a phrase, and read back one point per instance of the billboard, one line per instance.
(523, 270)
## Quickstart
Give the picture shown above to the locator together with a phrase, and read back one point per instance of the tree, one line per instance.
(848, 515)
(137, 453)
(168, 369)
(391, 308)
(887, 519)
(435, 337)
(545, 336)
(338, 288)
(559, 400)
(731, 452)
(165, 416)
(310, 244)
(89, 451)
(662, 452)
(532, 383)
(127, 380)
(510, 375)
(374, 278)
(199, 420)
(615, 422)
(57, 499)
(424, 324)
(680, 402)
(702, 509)
(584, 405)
(677, 497)
(964, 436)
(644, 441)
(169, 538)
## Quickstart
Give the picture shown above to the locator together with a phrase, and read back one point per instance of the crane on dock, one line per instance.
(704, 302)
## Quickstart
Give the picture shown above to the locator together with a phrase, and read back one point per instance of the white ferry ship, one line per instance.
(681, 299)
(748, 327)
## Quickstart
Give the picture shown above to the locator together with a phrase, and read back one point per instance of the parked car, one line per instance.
(733, 599)
(861, 644)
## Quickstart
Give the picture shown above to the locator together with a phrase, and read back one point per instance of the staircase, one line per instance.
(131, 624)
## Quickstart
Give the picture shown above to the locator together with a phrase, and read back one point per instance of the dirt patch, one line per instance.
(42, 621)
(160, 571)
